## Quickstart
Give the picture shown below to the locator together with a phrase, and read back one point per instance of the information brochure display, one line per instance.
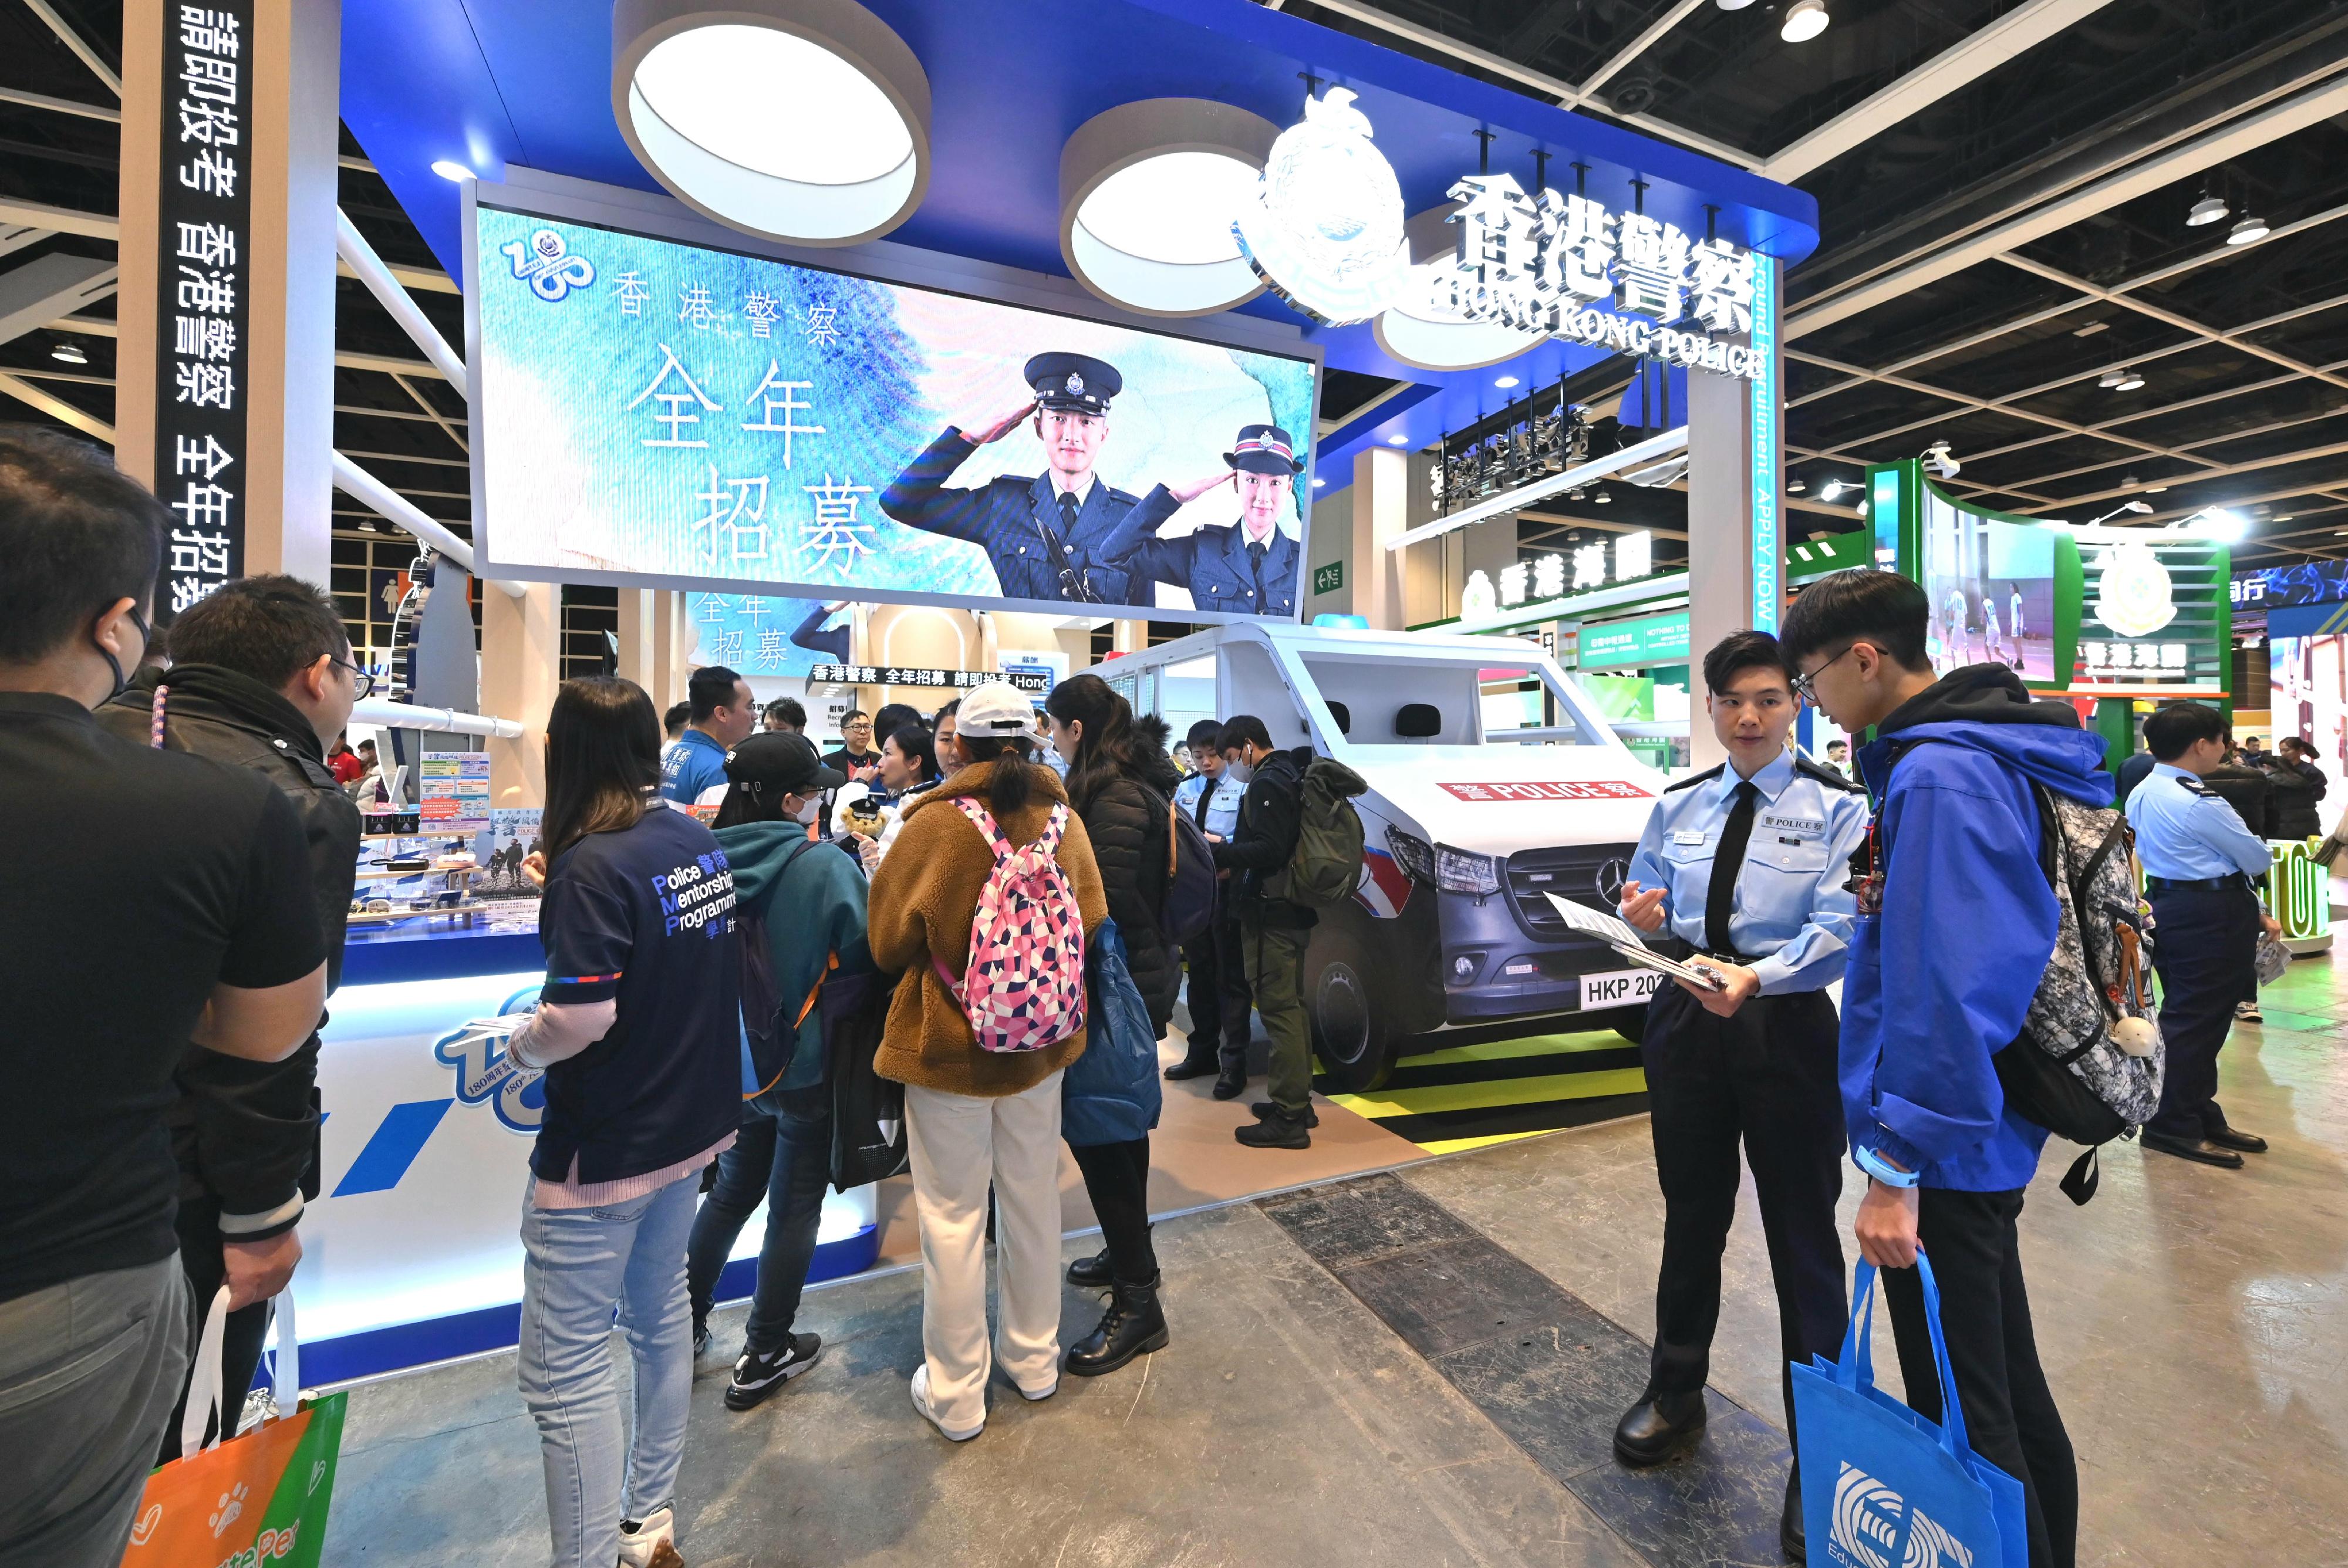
(1618, 935)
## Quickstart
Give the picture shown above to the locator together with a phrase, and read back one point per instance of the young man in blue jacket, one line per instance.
(1955, 924)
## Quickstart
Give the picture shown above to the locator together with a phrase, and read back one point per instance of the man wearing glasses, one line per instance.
(263, 679)
(1045, 535)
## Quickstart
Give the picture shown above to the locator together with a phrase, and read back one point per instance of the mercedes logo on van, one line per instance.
(1609, 879)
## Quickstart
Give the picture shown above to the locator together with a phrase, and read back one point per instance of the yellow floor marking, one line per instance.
(1497, 1092)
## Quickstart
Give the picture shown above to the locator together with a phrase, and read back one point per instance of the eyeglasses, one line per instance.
(1804, 686)
(363, 684)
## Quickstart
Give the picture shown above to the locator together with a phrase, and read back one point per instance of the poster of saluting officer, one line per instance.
(682, 416)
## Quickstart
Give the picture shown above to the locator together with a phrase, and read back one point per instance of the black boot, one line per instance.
(1231, 1083)
(1264, 1108)
(1658, 1426)
(1196, 1064)
(1134, 1325)
(1092, 1273)
(1276, 1129)
(1790, 1539)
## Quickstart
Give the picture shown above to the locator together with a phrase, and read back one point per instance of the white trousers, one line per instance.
(960, 1144)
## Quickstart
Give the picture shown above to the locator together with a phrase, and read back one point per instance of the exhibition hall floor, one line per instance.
(1422, 1365)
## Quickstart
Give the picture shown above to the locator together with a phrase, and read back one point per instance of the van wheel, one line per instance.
(1631, 1023)
(1352, 1029)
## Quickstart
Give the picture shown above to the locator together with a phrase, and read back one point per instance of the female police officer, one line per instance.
(1247, 567)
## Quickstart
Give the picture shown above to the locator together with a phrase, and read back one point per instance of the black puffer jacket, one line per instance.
(2298, 786)
(246, 1133)
(1126, 819)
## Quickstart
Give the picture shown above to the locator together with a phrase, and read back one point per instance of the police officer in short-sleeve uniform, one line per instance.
(1747, 864)
(2199, 860)
(1043, 535)
(1246, 568)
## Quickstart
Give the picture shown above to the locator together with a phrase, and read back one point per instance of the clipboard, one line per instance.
(1618, 935)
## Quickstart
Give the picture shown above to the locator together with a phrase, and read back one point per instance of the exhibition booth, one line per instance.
(970, 348)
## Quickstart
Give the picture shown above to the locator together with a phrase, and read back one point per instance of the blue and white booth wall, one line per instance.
(412, 1252)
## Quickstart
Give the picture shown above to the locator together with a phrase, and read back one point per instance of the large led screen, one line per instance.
(1992, 590)
(2309, 697)
(659, 413)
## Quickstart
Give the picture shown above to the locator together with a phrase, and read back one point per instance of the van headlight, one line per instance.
(1456, 871)
(1411, 853)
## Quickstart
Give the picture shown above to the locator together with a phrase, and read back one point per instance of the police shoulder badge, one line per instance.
(1325, 231)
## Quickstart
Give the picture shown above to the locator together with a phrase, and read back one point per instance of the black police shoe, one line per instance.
(1134, 1325)
(1192, 1067)
(2234, 1138)
(1092, 1273)
(1264, 1108)
(2200, 1150)
(1790, 1540)
(1230, 1084)
(1277, 1130)
(1659, 1426)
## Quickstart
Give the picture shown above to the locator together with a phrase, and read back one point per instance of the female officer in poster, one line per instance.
(1245, 568)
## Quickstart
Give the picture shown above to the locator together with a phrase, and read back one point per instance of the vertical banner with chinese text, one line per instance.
(203, 233)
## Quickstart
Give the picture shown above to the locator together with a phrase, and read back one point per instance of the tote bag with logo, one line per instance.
(1882, 1486)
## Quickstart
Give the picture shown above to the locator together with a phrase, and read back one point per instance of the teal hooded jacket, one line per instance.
(813, 911)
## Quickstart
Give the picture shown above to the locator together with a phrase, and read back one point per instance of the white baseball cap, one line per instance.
(995, 708)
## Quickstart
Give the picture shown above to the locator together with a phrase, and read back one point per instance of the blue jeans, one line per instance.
(782, 1156)
(581, 1265)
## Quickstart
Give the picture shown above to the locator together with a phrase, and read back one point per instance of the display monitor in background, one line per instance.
(763, 636)
(654, 413)
(1991, 587)
(2309, 698)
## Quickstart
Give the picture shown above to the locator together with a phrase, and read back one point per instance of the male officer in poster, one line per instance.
(1247, 567)
(1043, 535)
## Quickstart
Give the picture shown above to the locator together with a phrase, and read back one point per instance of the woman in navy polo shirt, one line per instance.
(638, 1030)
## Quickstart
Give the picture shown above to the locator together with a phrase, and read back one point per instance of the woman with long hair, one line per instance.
(974, 1116)
(637, 1031)
(909, 769)
(1121, 783)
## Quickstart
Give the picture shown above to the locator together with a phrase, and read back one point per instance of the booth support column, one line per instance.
(636, 639)
(1381, 513)
(521, 666)
(225, 374)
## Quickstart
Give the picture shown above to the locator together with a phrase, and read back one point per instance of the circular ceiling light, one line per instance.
(2129, 381)
(69, 354)
(1504, 382)
(694, 88)
(1421, 329)
(1796, 486)
(2248, 231)
(1733, 5)
(1804, 20)
(1148, 192)
(2207, 210)
(449, 169)
(1398, 441)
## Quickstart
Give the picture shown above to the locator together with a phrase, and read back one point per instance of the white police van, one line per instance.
(1493, 781)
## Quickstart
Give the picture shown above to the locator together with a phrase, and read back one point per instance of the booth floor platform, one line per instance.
(1422, 1366)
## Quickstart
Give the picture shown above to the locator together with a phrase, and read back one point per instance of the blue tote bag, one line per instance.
(1109, 1094)
(1882, 1486)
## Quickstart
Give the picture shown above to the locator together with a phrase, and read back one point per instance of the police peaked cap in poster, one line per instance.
(1075, 382)
(1264, 449)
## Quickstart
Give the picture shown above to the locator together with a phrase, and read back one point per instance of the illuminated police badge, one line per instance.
(547, 265)
(2133, 594)
(487, 1073)
(1325, 231)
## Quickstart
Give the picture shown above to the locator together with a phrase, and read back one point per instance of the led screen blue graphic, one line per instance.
(651, 412)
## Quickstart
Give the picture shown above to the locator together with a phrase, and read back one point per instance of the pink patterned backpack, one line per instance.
(1024, 988)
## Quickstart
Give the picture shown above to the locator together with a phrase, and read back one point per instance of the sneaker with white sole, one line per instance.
(760, 1374)
(1038, 1395)
(650, 1542)
(2248, 1013)
(922, 1403)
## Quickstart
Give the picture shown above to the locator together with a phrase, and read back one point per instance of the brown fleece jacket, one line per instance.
(923, 896)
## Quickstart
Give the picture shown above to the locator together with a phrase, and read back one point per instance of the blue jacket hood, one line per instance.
(1987, 707)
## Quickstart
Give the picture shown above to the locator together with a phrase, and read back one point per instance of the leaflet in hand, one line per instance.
(1618, 935)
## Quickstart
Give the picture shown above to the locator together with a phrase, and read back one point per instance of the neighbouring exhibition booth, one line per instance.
(995, 339)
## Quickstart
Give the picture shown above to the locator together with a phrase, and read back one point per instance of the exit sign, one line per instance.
(1329, 579)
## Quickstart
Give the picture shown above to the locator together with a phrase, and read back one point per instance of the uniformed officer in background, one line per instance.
(1043, 535)
(1248, 566)
(1747, 862)
(2199, 860)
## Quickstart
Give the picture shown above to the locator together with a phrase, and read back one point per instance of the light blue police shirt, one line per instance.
(1793, 911)
(2186, 831)
(1223, 807)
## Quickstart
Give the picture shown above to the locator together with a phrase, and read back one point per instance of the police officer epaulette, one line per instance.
(2193, 786)
(1695, 779)
(1826, 776)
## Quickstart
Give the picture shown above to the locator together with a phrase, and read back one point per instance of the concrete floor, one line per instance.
(2193, 1322)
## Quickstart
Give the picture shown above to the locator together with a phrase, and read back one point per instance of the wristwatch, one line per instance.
(1882, 1170)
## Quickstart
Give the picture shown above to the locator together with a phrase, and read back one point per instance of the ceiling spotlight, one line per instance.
(2122, 379)
(69, 354)
(2215, 522)
(1602, 498)
(1862, 508)
(2089, 330)
(1398, 441)
(1797, 485)
(1804, 20)
(692, 89)
(1318, 481)
(2248, 231)
(2155, 490)
(2207, 210)
(1576, 495)
(449, 169)
(1733, 5)
(1833, 489)
(1941, 460)
(2128, 483)
(1504, 381)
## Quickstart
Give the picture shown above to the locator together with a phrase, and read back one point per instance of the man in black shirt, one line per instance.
(262, 678)
(148, 899)
(1272, 931)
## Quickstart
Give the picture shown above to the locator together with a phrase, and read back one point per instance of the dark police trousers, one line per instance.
(1219, 1002)
(2205, 947)
(1767, 1076)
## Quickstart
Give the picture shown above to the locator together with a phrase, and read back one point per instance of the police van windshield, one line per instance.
(1379, 701)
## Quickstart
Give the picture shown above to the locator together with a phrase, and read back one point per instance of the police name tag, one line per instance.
(1618, 988)
(1688, 836)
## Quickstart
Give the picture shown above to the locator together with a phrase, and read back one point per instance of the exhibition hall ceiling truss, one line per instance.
(2093, 245)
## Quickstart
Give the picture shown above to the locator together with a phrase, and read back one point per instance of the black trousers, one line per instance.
(1116, 1180)
(2206, 945)
(1765, 1078)
(248, 1327)
(1219, 1002)
(2010, 1414)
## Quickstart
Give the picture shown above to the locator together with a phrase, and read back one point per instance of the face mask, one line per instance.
(1239, 772)
(806, 814)
(146, 637)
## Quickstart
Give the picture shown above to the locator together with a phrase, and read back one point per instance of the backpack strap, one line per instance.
(1049, 840)
(983, 821)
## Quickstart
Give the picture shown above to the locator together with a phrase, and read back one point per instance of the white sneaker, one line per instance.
(922, 1403)
(650, 1543)
(1038, 1395)
(2248, 1013)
